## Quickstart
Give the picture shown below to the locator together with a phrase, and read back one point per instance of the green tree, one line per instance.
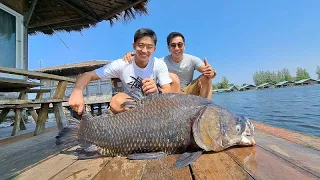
(287, 75)
(302, 74)
(224, 83)
(265, 77)
(215, 85)
(318, 71)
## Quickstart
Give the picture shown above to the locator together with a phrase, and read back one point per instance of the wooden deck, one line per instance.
(271, 158)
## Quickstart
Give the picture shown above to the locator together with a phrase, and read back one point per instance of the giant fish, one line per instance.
(159, 125)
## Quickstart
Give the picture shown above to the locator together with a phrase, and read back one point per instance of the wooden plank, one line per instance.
(42, 117)
(14, 102)
(22, 123)
(16, 85)
(60, 90)
(17, 102)
(122, 168)
(33, 113)
(306, 158)
(292, 136)
(163, 169)
(261, 164)
(17, 156)
(29, 13)
(38, 90)
(217, 166)
(48, 168)
(23, 136)
(82, 169)
(4, 114)
(17, 121)
(35, 75)
(59, 116)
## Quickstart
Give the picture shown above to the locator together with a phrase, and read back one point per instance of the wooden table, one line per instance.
(16, 85)
(21, 103)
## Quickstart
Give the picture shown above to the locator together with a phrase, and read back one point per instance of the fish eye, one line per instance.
(238, 128)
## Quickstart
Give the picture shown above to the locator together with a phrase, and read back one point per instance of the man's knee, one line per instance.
(175, 84)
(204, 81)
(175, 78)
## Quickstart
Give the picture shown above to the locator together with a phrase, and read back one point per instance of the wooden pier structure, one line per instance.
(278, 154)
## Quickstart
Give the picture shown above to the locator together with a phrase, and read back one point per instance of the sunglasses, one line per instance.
(174, 45)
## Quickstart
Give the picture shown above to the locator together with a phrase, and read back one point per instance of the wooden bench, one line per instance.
(38, 103)
(22, 102)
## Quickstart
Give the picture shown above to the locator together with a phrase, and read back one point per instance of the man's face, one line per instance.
(176, 47)
(144, 47)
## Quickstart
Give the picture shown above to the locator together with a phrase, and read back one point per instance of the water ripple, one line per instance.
(295, 108)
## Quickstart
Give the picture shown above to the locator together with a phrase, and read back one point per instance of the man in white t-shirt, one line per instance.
(181, 68)
(138, 78)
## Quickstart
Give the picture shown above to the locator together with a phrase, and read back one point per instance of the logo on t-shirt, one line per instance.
(136, 83)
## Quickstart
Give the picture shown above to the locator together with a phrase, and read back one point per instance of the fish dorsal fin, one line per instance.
(206, 129)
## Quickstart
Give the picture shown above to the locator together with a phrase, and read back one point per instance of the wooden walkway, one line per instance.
(271, 158)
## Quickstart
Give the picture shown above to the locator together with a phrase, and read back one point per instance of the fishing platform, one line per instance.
(278, 154)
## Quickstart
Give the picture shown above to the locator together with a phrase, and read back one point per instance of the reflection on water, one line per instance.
(295, 108)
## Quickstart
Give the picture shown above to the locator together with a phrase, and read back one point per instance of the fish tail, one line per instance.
(69, 135)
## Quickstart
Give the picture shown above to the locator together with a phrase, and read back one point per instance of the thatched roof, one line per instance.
(74, 15)
(73, 69)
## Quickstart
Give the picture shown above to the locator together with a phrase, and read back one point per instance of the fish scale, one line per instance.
(167, 123)
(168, 132)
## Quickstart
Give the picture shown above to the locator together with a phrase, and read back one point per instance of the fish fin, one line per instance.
(144, 156)
(89, 155)
(187, 158)
(68, 135)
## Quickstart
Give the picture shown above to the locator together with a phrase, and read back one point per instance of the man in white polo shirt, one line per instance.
(138, 78)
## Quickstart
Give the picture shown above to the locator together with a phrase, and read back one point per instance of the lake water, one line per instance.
(294, 108)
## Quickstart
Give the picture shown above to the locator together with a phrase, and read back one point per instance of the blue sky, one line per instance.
(237, 37)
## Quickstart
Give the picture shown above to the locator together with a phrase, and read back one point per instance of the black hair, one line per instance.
(173, 35)
(145, 32)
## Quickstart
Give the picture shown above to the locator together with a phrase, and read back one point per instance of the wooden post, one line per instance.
(42, 117)
(57, 107)
(61, 89)
(4, 114)
(16, 122)
(33, 113)
(59, 115)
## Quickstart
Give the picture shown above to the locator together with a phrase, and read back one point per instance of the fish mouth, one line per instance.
(247, 141)
(247, 136)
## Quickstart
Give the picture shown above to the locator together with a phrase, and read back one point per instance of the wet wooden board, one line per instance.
(305, 158)
(48, 168)
(163, 169)
(15, 157)
(82, 169)
(261, 164)
(35, 75)
(122, 168)
(292, 136)
(217, 166)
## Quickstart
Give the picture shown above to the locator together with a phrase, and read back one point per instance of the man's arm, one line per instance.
(166, 88)
(163, 76)
(76, 101)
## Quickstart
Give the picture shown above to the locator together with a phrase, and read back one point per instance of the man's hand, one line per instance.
(128, 57)
(149, 86)
(76, 101)
(208, 71)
